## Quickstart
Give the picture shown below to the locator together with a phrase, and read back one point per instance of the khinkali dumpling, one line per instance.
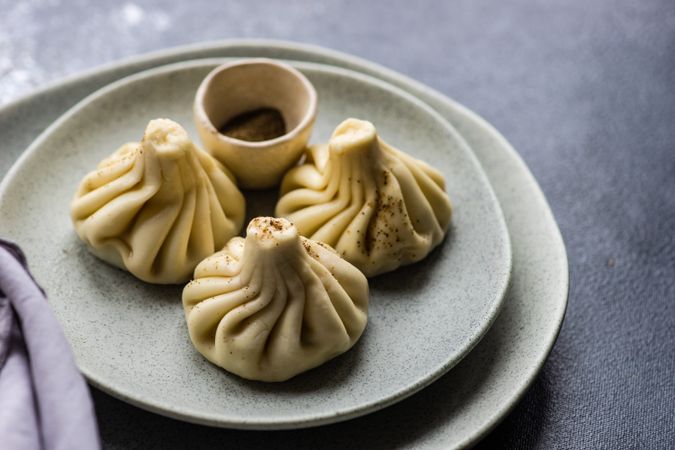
(274, 304)
(158, 207)
(377, 206)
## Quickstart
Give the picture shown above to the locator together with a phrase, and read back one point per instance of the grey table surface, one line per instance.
(584, 90)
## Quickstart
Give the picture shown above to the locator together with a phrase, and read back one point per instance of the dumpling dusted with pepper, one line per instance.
(377, 206)
(158, 207)
(275, 304)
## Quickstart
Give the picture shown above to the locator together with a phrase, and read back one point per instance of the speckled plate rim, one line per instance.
(475, 420)
(499, 282)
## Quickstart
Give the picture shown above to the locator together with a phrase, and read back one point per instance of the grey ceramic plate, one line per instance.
(129, 337)
(463, 405)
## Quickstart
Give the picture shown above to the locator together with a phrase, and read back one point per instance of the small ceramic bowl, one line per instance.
(246, 85)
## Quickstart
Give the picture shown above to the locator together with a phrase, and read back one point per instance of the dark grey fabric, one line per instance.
(583, 89)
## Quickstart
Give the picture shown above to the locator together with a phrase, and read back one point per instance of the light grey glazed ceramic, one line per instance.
(129, 337)
(459, 408)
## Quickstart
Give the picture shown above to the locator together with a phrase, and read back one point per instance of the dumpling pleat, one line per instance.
(312, 179)
(284, 334)
(319, 204)
(174, 249)
(323, 330)
(434, 193)
(213, 286)
(352, 243)
(111, 209)
(416, 205)
(341, 302)
(334, 224)
(206, 315)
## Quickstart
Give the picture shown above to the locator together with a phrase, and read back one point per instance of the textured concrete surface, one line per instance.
(584, 90)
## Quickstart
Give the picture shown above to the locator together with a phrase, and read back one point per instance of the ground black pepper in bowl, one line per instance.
(258, 125)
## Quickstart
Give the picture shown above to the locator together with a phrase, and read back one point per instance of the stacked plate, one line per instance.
(465, 331)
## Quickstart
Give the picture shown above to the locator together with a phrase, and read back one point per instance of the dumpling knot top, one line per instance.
(158, 207)
(377, 206)
(274, 304)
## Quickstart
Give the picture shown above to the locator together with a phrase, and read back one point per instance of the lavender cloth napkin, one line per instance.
(44, 401)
